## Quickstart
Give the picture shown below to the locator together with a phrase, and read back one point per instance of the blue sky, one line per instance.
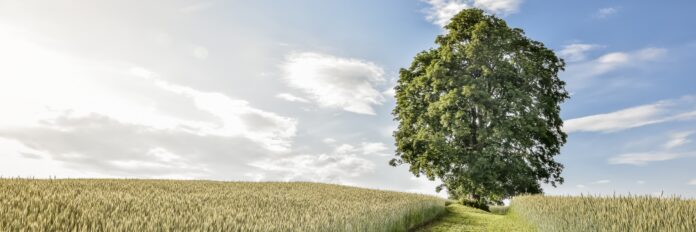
(301, 90)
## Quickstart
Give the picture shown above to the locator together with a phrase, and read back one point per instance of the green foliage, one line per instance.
(481, 111)
(615, 213)
(463, 218)
(162, 205)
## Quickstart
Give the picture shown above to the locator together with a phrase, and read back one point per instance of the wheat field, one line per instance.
(174, 205)
(610, 213)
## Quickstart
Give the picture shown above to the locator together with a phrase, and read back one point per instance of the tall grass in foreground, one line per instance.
(167, 205)
(615, 213)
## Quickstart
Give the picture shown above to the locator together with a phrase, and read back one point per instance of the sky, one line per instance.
(302, 90)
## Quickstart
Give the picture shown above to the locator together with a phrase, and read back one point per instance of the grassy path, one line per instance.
(463, 218)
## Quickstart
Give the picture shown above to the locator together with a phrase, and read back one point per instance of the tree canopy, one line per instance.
(481, 110)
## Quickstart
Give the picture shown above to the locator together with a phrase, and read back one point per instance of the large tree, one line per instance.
(481, 111)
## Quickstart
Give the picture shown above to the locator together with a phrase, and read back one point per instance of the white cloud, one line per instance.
(291, 98)
(329, 140)
(605, 12)
(576, 52)
(643, 158)
(660, 112)
(142, 72)
(116, 119)
(614, 60)
(200, 52)
(692, 182)
(649, 54)
(640, 159)
(580, 186)
(335, 82)
(441, 11)
(602, 182)
(640, 182)
(503, 7)
(375, 149)
(390, 92)
(98, 143)
(20, 160)
(337, 167)
(345, 161)
(365, 148)
(618, 120)
(345, 149)
(63, 82)
(237, 118)
(579, 72)
(678, 139)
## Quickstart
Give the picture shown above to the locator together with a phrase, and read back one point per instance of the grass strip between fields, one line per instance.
(464, 218)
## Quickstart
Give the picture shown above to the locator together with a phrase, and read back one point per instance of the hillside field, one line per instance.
(183, 205)
(606, 213)
(174, 205)
(573, 214)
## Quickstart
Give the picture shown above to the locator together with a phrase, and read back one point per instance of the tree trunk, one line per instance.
(475, 197)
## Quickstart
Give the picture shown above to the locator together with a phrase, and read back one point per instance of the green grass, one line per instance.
(464, 218)
(615, 213)
(169, 205)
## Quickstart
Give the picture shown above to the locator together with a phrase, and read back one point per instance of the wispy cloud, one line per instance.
(334, 82)
(499, 6)
(576, 52)
(605, 12)
(441, 11)
(659, 112)
(379, 149)
(582, 73)
(609, 62)
(678, 139)
(619, 120)
(602, 182)
(365, 148)
(237, 118)
(124, 120)
(666, 153)
(322, 167)
(291, 98)
(342, 163)
(692, 182)
(640, 159)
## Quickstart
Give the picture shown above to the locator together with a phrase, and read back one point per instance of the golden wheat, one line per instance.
(612, 213)
(171, 205)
